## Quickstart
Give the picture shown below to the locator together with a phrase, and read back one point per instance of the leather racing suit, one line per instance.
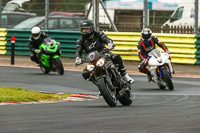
(34, 44)
(144, 47)
(97, 42)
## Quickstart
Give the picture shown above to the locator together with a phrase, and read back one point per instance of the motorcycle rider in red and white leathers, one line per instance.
(91, 40)
(145, 45)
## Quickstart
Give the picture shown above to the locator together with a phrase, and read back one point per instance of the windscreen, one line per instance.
(29, 23)
(11, 7)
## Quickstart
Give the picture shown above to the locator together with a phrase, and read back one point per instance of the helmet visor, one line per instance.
(146, 36)
(36, 35)
(85, 29)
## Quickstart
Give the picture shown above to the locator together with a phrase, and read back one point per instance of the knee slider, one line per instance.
(140, 68)
(33, 58)
(117, 59)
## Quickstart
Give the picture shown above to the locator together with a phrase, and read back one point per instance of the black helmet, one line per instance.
(146, 34)
(86, 28)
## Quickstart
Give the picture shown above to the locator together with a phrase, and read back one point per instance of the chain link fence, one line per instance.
(127, 15)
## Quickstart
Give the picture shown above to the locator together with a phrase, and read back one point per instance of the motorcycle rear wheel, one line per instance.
(167, 79)
(44, 70)
(107, 94)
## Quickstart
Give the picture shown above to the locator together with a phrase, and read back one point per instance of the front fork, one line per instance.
(156, 71)
(120, 85)
(170, 67)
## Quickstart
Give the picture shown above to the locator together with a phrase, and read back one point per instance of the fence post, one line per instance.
(96, 14)
(145, 11)
(196, 17)
(46, 14)
(12, 50)
(0, 10)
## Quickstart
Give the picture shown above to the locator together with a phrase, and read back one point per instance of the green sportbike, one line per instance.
(50, 57)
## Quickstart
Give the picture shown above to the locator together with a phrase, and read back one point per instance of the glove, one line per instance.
(37, 51)
(110, 46)
(78, 61)
(167, 51)
(145, 61)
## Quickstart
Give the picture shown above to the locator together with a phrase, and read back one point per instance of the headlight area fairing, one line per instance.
(100, 62)
(54, 51)
(90, 67)
(98, 65)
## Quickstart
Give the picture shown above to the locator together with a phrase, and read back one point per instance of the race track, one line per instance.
(152, 111)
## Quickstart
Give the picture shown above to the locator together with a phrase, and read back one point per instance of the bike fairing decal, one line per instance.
(91, 56)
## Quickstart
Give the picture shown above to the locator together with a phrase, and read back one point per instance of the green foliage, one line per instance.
(68, 5)
(8, 94)
(4, 2)
(38, 6)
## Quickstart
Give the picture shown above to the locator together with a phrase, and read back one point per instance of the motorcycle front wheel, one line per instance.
(161, 86)
(59, 66)
(167, 79)
(108, 95)
(126, 100)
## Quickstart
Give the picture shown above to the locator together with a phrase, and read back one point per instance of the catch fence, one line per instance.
(129, 18)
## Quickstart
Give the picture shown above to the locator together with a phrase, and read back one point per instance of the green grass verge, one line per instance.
(8, 94)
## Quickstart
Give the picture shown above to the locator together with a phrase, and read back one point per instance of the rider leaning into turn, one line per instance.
(34, 42)
(145, 45)
(91, 41)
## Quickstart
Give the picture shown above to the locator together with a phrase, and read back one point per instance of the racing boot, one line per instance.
(128, 79)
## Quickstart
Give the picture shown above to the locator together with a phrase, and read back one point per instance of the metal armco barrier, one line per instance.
(3, 41)
(67, 40)
(184, 48)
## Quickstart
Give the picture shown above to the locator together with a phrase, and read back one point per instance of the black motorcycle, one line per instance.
(104, 74)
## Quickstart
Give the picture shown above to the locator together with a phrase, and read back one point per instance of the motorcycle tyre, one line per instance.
(59, 66)
(126, 100)
(106, 93)
(167, 79)
(44, 70)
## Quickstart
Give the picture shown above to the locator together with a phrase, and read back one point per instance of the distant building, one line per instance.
(129, 13)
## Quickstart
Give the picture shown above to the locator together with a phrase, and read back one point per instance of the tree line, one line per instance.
(38, 6)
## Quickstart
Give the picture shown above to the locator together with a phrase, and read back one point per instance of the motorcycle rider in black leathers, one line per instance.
(91, 41)
(145, 45)
(34, 42)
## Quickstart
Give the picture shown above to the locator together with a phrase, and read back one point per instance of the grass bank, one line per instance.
(8, 94)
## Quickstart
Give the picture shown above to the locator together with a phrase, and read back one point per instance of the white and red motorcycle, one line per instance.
(161, 69)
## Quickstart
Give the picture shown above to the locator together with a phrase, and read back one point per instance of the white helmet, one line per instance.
(35, 32)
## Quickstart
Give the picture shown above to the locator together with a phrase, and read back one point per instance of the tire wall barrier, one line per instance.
(184, 48)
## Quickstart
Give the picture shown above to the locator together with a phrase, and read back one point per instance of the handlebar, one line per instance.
(105, 50)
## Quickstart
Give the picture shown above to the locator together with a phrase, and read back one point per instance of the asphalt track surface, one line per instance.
(152, 111)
